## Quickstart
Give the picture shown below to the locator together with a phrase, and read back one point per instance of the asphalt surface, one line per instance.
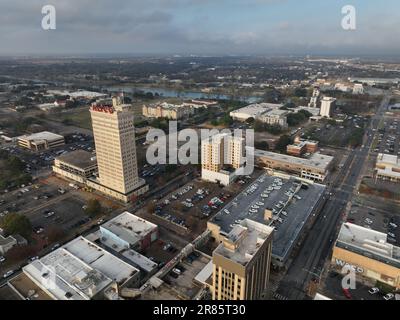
(308, 263)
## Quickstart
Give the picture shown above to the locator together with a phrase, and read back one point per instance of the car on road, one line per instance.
(388, 296)
(8, 273)
(373, 290)
(57, 245)
(33, 259)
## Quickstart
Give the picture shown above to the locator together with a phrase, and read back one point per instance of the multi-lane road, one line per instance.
(309, 262)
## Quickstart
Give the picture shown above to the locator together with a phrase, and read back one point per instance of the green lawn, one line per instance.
(80, 118)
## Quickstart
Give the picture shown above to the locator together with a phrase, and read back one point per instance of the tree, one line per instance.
(15, 223)
(93, 208)
(263, 145)
(283, 142)
(55, 234)
(300, 92)
(151, 207)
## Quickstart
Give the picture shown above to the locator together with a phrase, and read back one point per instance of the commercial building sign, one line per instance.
(343, 264)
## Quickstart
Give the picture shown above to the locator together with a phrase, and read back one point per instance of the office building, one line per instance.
(315, 168)
(327, 105)
(368, 253)
(314, 99)
(76, 165)
(274, 117)
(41, 141)
(221, 155)
(387, 167)
(300, 147)
(242, 261)
(114, 136)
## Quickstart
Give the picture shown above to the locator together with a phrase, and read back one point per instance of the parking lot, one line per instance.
(37, 161)
(387, 140)
(332, 288)
(188, 209)
(380, 216)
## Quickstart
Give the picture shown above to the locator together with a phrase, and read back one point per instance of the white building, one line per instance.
(314, 99)
(128, 231)
(388, 167)
(358, 88)
(327, 104)
(221, 154)
(41, 141)
(253, 111)
(80, 270)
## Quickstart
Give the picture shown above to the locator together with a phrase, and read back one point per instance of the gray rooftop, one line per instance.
(79, 158)
(298, 210)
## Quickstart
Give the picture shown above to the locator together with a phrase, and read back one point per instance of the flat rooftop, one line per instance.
(45, 135)
(129, 227)
(28, 289)
(369, 243)
(101, 260)
(79, 158)
(388, 159)
(78, 270)
(316, 160)
(254, 110)
(246, 239)
(298, 210)
(140, 260)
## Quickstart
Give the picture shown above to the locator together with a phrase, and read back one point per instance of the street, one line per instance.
(316, 248)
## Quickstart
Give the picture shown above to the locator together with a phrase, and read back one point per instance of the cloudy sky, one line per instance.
(199, 27)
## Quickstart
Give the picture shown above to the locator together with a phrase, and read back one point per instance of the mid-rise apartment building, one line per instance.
(221, 154)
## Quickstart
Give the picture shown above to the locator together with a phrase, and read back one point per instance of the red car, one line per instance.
(347, 294)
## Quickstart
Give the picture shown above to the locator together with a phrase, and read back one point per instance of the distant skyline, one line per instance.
(202, 27)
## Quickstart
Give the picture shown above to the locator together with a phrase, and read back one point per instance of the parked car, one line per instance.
(373, 290)
(2, 259)
(388, 296)
(347, 293)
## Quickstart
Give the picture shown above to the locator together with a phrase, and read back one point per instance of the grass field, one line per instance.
(79, 118)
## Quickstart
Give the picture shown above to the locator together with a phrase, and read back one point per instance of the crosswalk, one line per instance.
(278, 296)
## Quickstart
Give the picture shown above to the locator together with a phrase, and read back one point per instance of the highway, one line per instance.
(316, 248)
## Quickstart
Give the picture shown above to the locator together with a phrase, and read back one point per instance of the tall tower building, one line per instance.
(241, 263)
(327, 105)
(114, 136)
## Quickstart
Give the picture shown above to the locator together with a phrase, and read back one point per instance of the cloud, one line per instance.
(191, 26)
